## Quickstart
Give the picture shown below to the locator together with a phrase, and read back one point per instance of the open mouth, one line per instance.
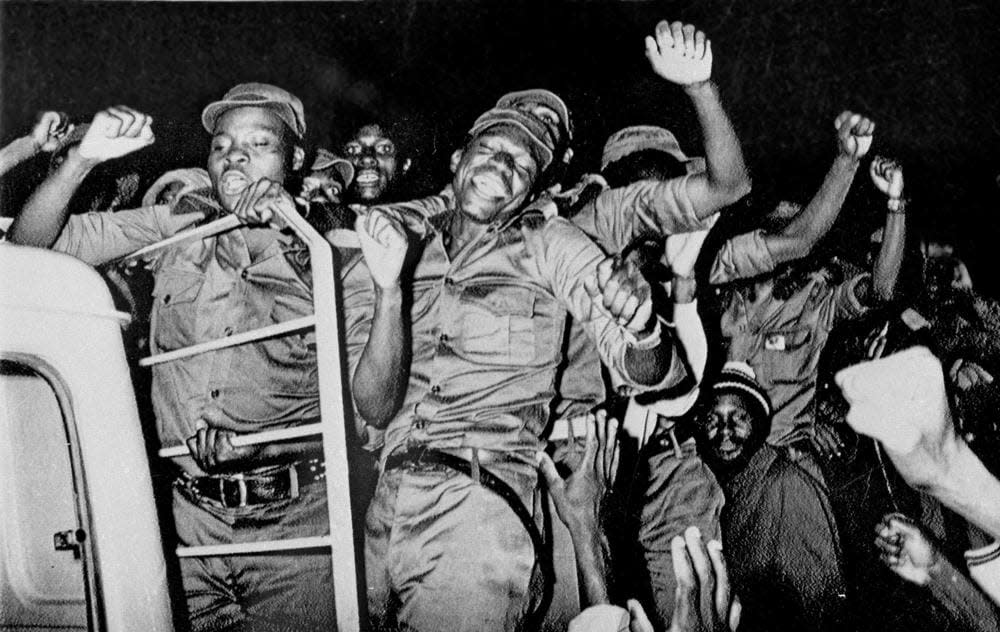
(234, 182)
(366, 178)
(490, 185)
(728, 454)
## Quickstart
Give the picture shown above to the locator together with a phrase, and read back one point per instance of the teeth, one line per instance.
(233, 182)
(490, 186)
(368, 177)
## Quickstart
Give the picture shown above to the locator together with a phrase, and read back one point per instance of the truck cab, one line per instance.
(80, 543)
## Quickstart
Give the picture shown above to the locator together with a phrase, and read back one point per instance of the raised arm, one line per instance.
(887, 175)
(578, 500)
(682, 251)
(113, 133)
(48, 132)
(803, 232)
(683, 56)
(381, 377)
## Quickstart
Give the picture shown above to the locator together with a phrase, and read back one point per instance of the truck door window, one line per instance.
(43, 582)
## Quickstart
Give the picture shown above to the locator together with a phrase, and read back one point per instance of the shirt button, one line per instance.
(244, 274)
(228, 331)
(166, 300)
(436, 389)
(215, 393)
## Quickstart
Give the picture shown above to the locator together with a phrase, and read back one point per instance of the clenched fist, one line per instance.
(854, 134)
(887, 176)
(619, 290)
(50, 130)
(384, 244)
(264, 202)
(115, 132)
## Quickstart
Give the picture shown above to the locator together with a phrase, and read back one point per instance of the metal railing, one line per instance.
(332, 427)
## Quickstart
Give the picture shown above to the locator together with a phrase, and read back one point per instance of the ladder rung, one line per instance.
(268, 436)
(343, 238)
(231, 341)
(247, 548)
(220, 225)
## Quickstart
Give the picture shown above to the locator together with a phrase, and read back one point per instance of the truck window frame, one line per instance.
(88, 554)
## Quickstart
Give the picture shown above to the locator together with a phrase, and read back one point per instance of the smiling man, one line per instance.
(451, 543)
(378, 164)
(243, 279)
(778, 525)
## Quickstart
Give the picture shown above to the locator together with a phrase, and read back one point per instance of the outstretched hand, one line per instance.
(679, 53)
(854, 134)
(50, 130)
(703, 601)
(578, 497)
(115, 132)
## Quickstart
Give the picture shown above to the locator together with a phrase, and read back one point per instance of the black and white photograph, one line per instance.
(486, 316)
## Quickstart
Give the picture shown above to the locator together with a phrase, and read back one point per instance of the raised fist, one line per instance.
(50, 129)
(854, 133)
(887, 176)
(383, 243)
(679, 53)
(115, 132)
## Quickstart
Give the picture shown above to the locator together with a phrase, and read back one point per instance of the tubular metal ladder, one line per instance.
(331, 428)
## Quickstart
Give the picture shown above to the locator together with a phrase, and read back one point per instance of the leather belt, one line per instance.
(260, 487)
(420, 458)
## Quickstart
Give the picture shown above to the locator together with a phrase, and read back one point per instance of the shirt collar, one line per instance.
(441, 221)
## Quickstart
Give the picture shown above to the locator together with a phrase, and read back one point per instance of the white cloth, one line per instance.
(601, 618)
(640, 420)
(984, 568)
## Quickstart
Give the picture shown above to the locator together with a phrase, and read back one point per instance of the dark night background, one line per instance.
(925, 70)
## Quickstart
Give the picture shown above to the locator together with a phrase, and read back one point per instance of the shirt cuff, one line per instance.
(984, 568)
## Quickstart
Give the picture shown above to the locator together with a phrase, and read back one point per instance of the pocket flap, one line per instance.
(502, 300)
(177, 286)
(785, 339)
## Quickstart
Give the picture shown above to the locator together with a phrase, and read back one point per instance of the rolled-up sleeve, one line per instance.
(567, 258)
(846, 301)
(97, 238)
(658, 207)
(741, 257)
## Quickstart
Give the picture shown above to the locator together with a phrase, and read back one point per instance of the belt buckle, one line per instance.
(241, 491)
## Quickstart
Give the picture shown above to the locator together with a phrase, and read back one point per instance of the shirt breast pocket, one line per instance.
(173, 317)
(497, 324)
(787, 355)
